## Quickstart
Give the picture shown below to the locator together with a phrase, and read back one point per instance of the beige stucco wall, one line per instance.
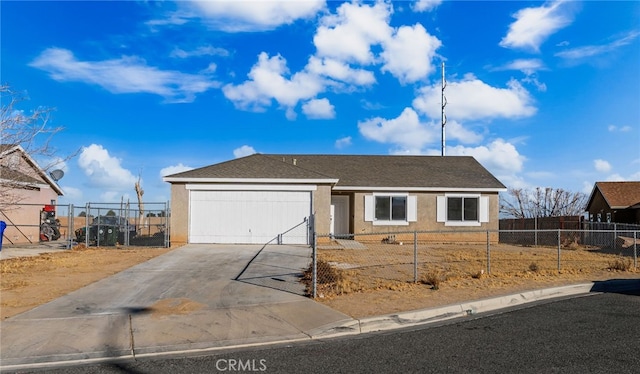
(179, 221)
(322, 208)
(426, 214)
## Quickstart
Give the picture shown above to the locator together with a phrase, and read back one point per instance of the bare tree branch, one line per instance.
(542, 202)
(32, 131)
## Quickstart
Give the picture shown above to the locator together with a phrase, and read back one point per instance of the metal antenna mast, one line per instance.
(444, 104)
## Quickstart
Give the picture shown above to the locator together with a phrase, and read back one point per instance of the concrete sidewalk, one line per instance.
(172, 304)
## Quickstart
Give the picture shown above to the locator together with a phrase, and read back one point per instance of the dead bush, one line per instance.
(328, 278)
(534, 267)
(620, 265)
(434, 278)
(478, 274)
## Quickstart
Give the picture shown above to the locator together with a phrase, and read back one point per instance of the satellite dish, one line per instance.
(57, 174)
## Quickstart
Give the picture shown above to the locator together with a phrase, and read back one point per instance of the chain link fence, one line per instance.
(95, 224)
(372, 261)
(281, 262)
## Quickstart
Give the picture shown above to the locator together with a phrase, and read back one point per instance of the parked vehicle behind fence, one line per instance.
(106, 231)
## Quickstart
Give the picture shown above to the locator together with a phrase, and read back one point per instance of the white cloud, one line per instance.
(408, 53)
(349, 34)
(406, 131)
(260, 15)
(267, 81)
(534, 25)
(615, 178)
(527, 66)
(472, 99)
(340, 71)
(590, 51)
(206, 50)
(243, 151)
(128, 74)
(72, 194)
(344, 43)
(343, 142)
(319, 109)
(501, 158)
(174, 169)
(601, 166)
(587, 187)
(455, 130)
(104, 170)
(613, 128)
(426, 5)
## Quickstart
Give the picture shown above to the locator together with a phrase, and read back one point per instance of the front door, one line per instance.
(339, 216)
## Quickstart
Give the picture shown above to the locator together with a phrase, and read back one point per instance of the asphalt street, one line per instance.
(598, 333)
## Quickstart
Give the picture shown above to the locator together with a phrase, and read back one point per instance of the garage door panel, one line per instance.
(246, 216)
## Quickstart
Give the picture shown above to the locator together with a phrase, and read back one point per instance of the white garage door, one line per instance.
(253, 217)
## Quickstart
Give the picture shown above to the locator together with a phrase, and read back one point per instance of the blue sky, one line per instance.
(541, 93)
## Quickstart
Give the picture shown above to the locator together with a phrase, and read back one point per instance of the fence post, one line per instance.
(635, 249)
(488, 254)
(559, 249)
(314, 273)
(87, 210)
(70, 226)
(415, 257)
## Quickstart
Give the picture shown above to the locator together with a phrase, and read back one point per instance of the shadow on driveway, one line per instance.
(279, 267)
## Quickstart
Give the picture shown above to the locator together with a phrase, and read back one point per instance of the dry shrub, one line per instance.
(534, 267)
(329, 280)
(571, 243)
(433, 278)
(478, 274)
(620, 265)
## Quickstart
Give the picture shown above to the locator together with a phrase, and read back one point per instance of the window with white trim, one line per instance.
(462, 209)
(390, 208)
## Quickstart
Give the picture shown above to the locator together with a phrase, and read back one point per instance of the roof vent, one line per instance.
(295, 162)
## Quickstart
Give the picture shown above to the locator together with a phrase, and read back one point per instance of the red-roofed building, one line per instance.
(617, 202)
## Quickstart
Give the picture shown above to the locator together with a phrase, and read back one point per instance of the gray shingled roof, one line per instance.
(357, 171)
(256, 166)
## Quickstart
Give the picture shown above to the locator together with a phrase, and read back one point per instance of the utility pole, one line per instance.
(443, 101)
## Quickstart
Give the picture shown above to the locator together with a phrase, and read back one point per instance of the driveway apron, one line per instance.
(194, 297)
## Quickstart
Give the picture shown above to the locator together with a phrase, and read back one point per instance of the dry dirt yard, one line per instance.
(27, 282)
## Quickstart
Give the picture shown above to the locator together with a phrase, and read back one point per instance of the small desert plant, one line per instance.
(325, 273)
(534, 267)
(433, 278)
(478, 274)
(571, 243)
(620, 265)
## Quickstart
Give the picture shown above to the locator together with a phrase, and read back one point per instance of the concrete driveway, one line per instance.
(186, 299)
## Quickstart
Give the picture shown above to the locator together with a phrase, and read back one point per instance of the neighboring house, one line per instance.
(617, 202)
(26, 189)
(254, 198)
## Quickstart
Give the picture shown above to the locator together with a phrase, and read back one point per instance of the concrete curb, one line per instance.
(438, 314)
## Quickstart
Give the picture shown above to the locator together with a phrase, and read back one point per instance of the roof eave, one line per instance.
(250, 180)
(421, 189)
(53, 184)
